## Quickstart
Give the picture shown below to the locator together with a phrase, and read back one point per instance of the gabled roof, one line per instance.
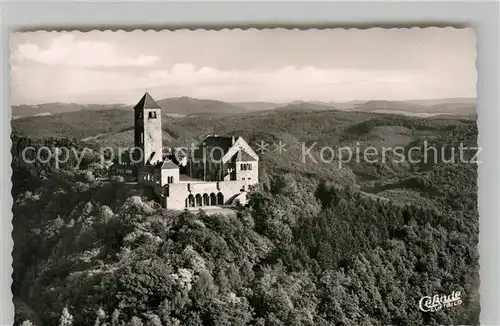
(146, 103)
(243, 156)
(168, 164)
(239, 145)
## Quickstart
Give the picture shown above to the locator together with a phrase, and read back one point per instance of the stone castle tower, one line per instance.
(147, 130)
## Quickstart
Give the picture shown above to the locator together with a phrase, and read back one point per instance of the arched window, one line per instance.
(213, 199)
(190, 201)
(199, 200)
(220, 199)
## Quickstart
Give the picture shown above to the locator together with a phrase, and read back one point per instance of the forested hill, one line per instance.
(311, 248)
(175, 105)
(187, 105)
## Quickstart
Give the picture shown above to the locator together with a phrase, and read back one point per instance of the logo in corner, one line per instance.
(437, 302)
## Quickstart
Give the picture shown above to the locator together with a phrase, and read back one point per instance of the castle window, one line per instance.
(245, 167)
(142, 138)
(170, 179)
(150, 115)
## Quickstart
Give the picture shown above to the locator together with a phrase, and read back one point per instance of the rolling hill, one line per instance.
(305, 106)
(186, 106)
(258, 106)
(446, 106)
(295, 128)
(19, 111)
(175, 105)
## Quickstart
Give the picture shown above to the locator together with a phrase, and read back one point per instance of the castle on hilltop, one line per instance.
(216, 172)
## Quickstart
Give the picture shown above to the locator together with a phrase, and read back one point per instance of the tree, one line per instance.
(66, 318)
(27, 322)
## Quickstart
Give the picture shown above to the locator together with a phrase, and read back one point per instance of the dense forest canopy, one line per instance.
(317, 245)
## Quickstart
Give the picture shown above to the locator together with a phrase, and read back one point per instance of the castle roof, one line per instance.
(168, 164)
(243, 156)
(216, 147)
(223, 143)
(146, 103)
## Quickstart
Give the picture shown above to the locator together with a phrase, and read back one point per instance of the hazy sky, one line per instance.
(234, 65)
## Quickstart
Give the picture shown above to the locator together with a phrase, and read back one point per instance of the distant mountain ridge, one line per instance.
(306, 106)
(174, 105)
(24, 110)
(259, 106)
(187, 106)
(443, 106)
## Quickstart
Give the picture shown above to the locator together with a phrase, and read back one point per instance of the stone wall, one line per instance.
(148, 134)
(248, 174)
(148, 176)
(178, 193)
(153, 136)
(165, 173)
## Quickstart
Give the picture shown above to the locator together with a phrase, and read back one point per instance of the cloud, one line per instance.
(228, 65)
(286, 83)
(65, 50)
(79, 84)
(185, 73)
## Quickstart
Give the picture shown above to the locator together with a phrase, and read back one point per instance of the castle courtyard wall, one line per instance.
(177, 193)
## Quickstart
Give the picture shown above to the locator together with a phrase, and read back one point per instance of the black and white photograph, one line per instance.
(261, 177)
